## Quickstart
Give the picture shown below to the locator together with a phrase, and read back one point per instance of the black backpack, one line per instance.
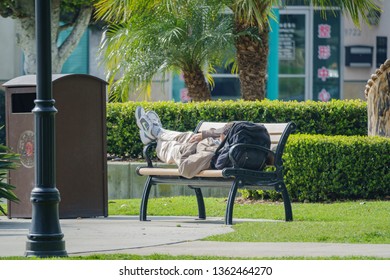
(244, 156)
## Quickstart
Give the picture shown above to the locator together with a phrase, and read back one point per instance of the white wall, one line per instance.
(355, 78)
(10, 54)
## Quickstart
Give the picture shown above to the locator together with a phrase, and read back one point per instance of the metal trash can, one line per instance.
(81, 165)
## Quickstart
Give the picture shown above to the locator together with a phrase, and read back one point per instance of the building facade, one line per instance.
(312, 57)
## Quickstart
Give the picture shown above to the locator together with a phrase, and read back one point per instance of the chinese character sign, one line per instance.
(326, 56)
(323, 74)
(324, 52)
(324, 31)
(324, 95)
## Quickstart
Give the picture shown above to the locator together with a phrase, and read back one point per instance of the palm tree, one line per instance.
(252, 51)
(252, 47)
(171, 34)
(145, 38)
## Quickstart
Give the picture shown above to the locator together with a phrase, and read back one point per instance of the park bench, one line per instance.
(233, 178)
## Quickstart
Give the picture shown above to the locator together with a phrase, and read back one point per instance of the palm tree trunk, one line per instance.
(252, 63)
(198, 89)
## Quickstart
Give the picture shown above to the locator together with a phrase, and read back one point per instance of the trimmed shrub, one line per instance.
(317, 167)
(328, 168)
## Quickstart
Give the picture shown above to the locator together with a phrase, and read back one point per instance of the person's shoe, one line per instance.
(149, 123)
(156, 130)
(146, 126)
(144, 138)
(152, 115)
(139, 112)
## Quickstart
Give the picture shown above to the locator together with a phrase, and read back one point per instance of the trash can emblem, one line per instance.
(26, 148)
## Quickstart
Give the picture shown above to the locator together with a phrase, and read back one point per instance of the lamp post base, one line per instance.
(45, 238)
(45, 249)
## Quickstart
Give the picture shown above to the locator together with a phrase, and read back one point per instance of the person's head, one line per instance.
(225, 131)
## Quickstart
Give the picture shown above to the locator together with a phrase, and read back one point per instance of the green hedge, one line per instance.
(317, 167)
(328, 168)
(330, 118)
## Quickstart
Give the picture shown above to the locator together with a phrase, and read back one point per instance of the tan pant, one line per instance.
(191, 158)
(171, 145)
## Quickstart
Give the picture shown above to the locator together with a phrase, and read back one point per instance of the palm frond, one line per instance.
(254, 12)
(357, 10)
(173, 36)
(121, 10)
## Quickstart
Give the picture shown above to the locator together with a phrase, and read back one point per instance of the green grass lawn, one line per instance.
(346, 222)
(159, 257)
(341, 222)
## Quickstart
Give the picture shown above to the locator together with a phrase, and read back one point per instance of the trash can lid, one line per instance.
(31, 80)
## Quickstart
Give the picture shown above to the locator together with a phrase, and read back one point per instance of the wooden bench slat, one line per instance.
(275, 138)
(175, 172)
(209, 125)
(273, 128)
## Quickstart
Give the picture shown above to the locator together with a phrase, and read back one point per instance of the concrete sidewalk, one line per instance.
(168, 235)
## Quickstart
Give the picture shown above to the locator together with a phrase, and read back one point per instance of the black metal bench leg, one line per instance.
(200, 200)
(287, 203)
(144, 200)
(230, 202)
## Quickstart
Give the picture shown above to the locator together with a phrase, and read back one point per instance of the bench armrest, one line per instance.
(147, 152)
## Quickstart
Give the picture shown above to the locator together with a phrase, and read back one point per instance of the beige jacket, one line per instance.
(197, 157)
(191, 158)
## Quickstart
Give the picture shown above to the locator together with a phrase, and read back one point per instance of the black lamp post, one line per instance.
(45, 236)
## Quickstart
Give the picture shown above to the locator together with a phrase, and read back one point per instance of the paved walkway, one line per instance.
(168, 235)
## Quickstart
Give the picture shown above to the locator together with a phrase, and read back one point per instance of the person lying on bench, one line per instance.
(191, 152)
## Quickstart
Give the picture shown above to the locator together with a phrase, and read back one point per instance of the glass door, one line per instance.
(293, 55)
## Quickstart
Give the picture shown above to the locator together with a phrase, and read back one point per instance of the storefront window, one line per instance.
(292, 57)
(227, 87)
(226, 84)
(295, 3)
(307, 57)
(292, 89)
(309, 54)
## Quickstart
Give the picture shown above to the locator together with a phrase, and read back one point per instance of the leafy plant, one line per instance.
(145, 38)
(8, 161)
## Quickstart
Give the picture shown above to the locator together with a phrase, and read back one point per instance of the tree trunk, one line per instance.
(25, 34)
(378, 101)
(195, 81)
(61, 53)
(252, 61)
